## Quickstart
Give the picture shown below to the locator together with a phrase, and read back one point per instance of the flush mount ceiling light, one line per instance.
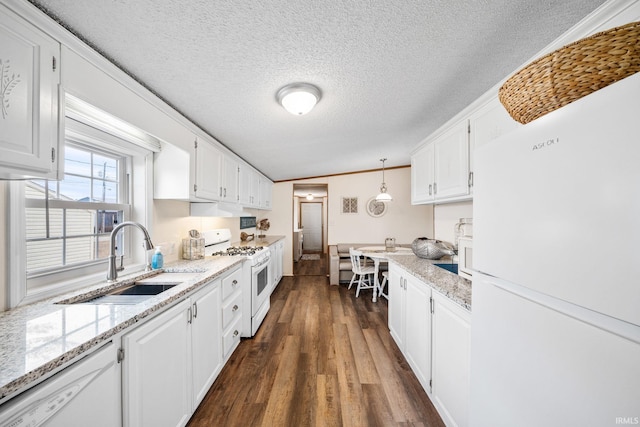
(298, 98)
(310, 196)
(383, 196)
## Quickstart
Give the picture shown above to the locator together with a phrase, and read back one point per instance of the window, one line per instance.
(60, 230)
(68, 222)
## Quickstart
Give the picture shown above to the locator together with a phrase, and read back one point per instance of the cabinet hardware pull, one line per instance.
(220, 191)
(195, 310)
(470, 179)
(435, 188)
(235, 307)
(235, 333)
(430, 189)
(225, 193)
(235, 282)
(189, 316)
(431, 304)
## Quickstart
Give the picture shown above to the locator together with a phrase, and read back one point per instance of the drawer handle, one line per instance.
(235, 307)
(189, 316)
(195, 310)
(235, 333)
(235, 282)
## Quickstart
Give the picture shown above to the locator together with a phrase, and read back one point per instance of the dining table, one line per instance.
(380, 254)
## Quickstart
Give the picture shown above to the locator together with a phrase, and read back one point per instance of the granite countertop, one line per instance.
(39, 338)
(456, 288)
(259, 241)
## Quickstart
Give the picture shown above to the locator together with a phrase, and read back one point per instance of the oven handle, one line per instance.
(263, 262)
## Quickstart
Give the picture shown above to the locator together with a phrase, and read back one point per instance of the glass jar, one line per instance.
(390, 244)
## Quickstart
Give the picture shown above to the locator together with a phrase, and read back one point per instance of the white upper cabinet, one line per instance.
(245, 174)
(188, 175)
(29, 99)
(452, 163)
(422, 175)
(266, 187)
(486, 124)
(440, 170)
(208, 183)
(229, 176)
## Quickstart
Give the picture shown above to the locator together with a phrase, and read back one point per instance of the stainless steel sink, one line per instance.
(133, 293)
(449, 267)
(139, 290)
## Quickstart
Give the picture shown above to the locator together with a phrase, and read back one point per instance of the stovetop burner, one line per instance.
(240, 251)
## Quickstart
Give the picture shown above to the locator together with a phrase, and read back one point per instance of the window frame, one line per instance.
(139, 194)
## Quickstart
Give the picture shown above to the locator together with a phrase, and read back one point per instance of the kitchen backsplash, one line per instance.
(446, 216)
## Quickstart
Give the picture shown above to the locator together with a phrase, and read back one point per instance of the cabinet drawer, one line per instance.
(231, 337)
(232, 309)
(231, 283)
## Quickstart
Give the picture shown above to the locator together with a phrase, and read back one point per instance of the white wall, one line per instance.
(446, 216)
(402, 221)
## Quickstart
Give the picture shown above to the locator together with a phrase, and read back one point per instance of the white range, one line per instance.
(256, 278)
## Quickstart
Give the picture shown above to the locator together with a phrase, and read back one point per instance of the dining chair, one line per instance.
(363, 273)
(385, 277)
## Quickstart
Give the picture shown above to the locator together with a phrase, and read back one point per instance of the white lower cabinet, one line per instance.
(232, 309)
(171, 361)
(433, 334)
(87, 393)
(277, 259)
(410, 321)
(451, 341)
(205, 341)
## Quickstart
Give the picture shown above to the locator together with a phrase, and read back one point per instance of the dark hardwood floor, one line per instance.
(311, 267)
(321, 358)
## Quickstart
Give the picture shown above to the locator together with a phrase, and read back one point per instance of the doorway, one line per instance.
(310, 229)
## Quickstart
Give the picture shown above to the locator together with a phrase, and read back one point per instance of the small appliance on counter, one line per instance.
(463, 228)
(193, 247)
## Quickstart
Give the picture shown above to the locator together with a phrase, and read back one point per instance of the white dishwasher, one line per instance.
(87, 393)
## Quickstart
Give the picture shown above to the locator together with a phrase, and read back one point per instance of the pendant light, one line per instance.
(383, 196)
(298, 98)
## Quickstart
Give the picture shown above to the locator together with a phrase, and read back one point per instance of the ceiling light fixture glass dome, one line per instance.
(298, 98)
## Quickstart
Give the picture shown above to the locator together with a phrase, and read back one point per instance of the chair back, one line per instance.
(356, 260)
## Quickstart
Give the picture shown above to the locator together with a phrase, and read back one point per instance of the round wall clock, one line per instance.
(375, 208)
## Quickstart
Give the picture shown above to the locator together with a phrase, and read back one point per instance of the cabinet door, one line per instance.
(157, 370)
(230, 181)
(422, 175)
(452, 163)
(87, 393)
(208, 164)
(488, 123)
(396, 304)
(255, 190)
(451, 360)
(29, 79)
(266, 187)
(206, 340)
(244, 185)
(418, 329)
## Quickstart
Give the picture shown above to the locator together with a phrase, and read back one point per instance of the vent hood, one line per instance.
(220, 209)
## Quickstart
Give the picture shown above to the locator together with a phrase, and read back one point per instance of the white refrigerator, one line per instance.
(555, 333)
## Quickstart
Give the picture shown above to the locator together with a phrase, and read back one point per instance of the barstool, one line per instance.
(385, 276)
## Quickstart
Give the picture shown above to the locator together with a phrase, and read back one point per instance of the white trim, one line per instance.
(86, 113)
(16, 245)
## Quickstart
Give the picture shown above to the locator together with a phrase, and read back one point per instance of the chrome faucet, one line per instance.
(112, 273)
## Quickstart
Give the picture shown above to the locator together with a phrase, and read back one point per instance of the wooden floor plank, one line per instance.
(301, 368)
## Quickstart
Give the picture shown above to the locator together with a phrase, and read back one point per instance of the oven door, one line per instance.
(260, 284)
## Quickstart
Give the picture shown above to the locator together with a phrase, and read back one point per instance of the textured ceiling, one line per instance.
(391, 72)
